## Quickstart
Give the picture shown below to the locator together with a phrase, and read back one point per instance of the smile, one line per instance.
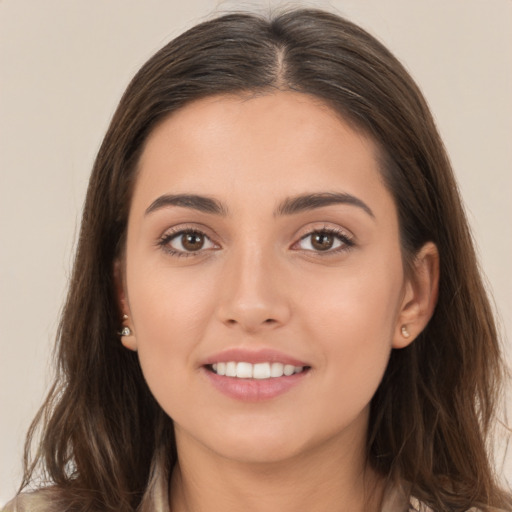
(244, 370)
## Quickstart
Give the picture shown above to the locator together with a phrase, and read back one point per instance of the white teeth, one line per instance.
(244, 370)
(259, 371)
(277, 370)
(231, 369)
(289, 369)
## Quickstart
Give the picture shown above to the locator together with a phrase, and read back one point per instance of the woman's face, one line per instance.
(262, 241)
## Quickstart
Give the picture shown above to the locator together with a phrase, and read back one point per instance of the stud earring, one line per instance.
(125, 331)
(405, 332)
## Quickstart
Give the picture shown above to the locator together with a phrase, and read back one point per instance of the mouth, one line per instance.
(254, 375)
(258, 371)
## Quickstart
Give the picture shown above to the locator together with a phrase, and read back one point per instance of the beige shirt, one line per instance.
(156, 499)
(394, 501)
(38, 501)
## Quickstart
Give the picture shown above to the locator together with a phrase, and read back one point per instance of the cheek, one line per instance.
(352, 319)
(166, 303)
(170, 312)
(356, 302)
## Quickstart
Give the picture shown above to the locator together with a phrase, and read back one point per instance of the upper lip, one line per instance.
(239, 355)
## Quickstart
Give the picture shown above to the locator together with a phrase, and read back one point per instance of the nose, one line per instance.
(254, 293)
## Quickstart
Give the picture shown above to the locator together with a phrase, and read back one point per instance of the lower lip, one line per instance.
(254, 390)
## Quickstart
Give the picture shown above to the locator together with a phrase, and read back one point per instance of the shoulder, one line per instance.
(488, 509)
(36, 501)
(398, 499)
(418, 506)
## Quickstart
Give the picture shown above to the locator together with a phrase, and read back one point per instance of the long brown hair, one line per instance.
(433, 413)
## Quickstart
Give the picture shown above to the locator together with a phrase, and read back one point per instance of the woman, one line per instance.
(273, 254)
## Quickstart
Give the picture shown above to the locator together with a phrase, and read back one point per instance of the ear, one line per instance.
(129, 340)
(420, 296)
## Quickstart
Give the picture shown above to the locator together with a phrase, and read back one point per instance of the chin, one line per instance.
(248, 444)
(259, 452)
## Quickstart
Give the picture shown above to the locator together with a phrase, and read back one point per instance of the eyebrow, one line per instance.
(306, 202)
(289, 206)
(201, 203)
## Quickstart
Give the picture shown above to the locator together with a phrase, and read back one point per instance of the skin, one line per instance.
(258, 282)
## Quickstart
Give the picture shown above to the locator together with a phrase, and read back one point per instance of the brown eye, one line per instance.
(187, 242)
(322, 241)
(192, 241)
(325, 241)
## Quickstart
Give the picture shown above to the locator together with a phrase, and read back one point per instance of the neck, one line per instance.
(328, 480)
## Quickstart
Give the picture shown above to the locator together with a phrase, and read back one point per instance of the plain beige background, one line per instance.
(64, 65)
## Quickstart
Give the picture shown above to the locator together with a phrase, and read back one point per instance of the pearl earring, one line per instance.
(125, 331)
(405, 332)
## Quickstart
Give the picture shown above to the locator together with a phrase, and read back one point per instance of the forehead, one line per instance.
(271, 145)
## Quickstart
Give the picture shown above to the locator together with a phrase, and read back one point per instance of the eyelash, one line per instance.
(165, 240)
(346, 241)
